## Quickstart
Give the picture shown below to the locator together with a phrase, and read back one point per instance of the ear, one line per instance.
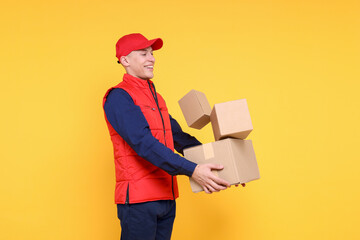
(124, 61)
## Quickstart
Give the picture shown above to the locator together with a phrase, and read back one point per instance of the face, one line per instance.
(140, 63)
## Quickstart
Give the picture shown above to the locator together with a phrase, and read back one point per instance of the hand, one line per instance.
(209, 181)
(242, 184)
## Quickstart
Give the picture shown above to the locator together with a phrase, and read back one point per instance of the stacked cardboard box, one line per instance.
(231, 124)
(196, 109)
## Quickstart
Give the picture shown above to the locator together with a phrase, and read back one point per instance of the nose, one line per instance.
(151, 57)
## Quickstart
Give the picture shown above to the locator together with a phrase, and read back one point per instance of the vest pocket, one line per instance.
(152, 116)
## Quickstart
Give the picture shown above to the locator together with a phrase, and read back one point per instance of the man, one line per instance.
(144, 136)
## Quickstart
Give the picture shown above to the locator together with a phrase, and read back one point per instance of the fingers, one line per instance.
(220, 181)
(211, 187)
(206, 190)
(217, 187)
(216, 179)
(215, 166)
(242, 184)
(208, 180)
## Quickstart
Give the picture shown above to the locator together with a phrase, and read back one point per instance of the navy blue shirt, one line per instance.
(130, 123)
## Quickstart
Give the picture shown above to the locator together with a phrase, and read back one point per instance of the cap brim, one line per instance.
(156, 43)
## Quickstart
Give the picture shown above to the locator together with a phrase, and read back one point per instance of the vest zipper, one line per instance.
(172, 186)
(157, 104)
(162, 119)
(127, 195)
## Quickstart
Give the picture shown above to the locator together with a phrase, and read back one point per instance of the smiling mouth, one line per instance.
(150, 67)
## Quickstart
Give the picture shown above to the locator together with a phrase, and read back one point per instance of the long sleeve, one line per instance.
(129, 122)
(182, 140)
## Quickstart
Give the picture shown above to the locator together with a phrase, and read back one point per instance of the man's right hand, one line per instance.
(209, 181)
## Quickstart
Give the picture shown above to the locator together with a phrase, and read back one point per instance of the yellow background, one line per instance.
(296, 63)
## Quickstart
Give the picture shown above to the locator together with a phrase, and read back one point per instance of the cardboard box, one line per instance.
(196, 109)
(236, 155)
(231, 119)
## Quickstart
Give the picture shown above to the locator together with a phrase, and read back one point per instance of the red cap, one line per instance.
(135, 41)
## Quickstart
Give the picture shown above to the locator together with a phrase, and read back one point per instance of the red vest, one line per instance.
(145, 181)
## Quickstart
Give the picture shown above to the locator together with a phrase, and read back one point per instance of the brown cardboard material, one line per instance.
(231, 119)
(236, 155)
(196, 109)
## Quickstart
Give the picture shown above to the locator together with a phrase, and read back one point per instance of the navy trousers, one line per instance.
(147, 221)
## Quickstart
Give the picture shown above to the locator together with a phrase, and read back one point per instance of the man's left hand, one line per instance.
(242, 184)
